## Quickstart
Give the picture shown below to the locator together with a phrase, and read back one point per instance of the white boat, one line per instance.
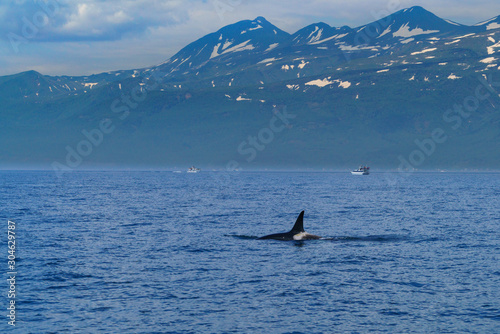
(193, 169)
(362, 170)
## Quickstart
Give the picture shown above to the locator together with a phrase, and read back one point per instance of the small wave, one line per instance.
(101, 309)
(431, 239)
(244, 237)
(371, 238)
(137, 224)
(393, 312)
(409, 284)
(78, 199)
(78, 275)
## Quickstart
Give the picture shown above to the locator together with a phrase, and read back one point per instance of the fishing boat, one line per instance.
(362, 170)
(193, 169)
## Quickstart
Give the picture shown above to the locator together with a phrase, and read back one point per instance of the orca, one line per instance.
(296, 233)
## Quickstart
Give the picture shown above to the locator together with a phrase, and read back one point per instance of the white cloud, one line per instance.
(82, 19)
(119, 17)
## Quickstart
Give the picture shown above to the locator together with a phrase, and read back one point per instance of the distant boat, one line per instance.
(362, 170)
(193, 169)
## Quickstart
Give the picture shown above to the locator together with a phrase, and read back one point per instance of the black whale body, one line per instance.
(296, 233)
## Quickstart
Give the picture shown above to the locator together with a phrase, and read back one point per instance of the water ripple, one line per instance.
(107, 252)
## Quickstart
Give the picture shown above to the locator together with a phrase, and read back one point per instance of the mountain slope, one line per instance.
(415, 22)
(318, 33)
(491, 24)
(356, 95)
(234, 41)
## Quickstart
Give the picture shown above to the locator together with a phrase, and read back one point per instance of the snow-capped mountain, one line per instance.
(356, 92)
(253, 52)
(257, 52)
(235, 41)
(491, 24)
(319, 33)
(32, 84)
(412, 23)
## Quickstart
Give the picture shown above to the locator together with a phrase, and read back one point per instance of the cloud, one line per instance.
(92, 20)
(115, 19)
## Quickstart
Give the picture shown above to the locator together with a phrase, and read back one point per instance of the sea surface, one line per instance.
(163, 252)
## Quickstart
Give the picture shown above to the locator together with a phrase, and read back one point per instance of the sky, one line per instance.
(83, 37)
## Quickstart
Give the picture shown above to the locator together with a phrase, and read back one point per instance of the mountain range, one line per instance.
(410, 90)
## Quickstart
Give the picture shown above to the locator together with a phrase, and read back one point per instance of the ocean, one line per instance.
(163, 252)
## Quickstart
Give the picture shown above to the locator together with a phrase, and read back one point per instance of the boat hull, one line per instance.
(360, 173)
(193, 170)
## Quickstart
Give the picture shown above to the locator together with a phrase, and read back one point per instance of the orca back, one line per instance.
(299, 224)
(296, 233)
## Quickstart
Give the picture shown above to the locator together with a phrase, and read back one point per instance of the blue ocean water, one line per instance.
(160, 252)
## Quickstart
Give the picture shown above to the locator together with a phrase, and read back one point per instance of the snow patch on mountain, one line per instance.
(491, 49)
(293, 87)
(465, 36)
(492, 26)
(268, 60)
(406, 41)
(215, 52)
(454, 23)
(272, 46)
(328, 39)
(423, 51)
(257, 27)
(225, 48)
(386, 31)
(344, 84)
(303, 64)
(90, 84)
(345, 47)
(327, 82)
(320, 83)
(315, 35)
(405, 31)
(488, 60)
(240, 47)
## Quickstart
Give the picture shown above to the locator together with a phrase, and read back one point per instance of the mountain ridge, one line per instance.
(340, 35)
(362, 94)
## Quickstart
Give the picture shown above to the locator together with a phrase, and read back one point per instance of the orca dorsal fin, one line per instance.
(299, 224)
